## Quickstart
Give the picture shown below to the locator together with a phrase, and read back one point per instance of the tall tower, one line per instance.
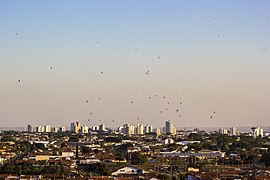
(47, 128)
(139, 129)
(30, 128)
(233, 131)
(168, 126)
(148, 129)
(75, 127)
(85, 129)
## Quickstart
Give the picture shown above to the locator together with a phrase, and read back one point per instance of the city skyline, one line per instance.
(199, 64)
(126, 128)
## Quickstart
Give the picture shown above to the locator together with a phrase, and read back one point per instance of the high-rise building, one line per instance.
(131, 129)
(102, 127)
(54, 129)
(158, 131)
(148, 129)
(223, 131)
(85, 129)
(139, 129)
(62, 129)
(169, 128)
(47, 128)
(30, 128)
(75, 127)
(257, 131)
(233, 131)
(128, 129)
(40, 129)
(95, 128)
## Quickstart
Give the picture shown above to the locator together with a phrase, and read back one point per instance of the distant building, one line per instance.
(139, 129)
(85, 129)
(167, 141)
(40, 129)
(67, 154)
(95, 128)
(102, 127)
(62, 129)
(75, 127)
(158, 131)
(233, 131)
(129, 170)
(257, 131)
(47, 128)
(30, 128)
(128, 129)
(223, 131)
(148, 129)
(55, 129)
(196, 130)
(169, 128)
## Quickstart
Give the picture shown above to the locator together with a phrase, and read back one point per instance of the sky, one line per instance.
(196, 63)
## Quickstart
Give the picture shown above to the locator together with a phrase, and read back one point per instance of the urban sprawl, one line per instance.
(133, 152)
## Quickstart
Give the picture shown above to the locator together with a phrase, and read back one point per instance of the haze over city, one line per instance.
(197, 63)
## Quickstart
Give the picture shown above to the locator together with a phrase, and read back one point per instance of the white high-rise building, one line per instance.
(148, 129)
(158, 131)
(55, 129)
(121, 129)
(131, 129)
(139, 129)
(95, 128)
(223, 131)
(75, 127)
(85, 129)
(62, 129)
(47, 128)
(128, 129)
(40, 129)
(102, 127)
(257, 131)
(233, 131)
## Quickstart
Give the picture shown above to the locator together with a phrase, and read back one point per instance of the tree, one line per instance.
(25, 147)
(113, 139)
(100, 169)
(266, 158)
(8, 168)
(194, 137)
(40, 146)
(86, 150)
(121, 151)
(137, 158)
(163, 177)
(56, 169)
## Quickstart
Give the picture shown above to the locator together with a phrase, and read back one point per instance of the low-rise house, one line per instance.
(167, 141)
(129, 170)
(89, 161)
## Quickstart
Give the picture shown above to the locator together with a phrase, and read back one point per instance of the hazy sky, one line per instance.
(208, 55)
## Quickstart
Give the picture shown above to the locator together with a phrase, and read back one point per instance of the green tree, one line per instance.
(266, 158)
(121, 151)
(164, 177)
(113, 139)
(56, 169)
(195, 137)
(86, 150)
(8, 168)
(25, 146)
(40, 146)
(137, 158)
(100, 169)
